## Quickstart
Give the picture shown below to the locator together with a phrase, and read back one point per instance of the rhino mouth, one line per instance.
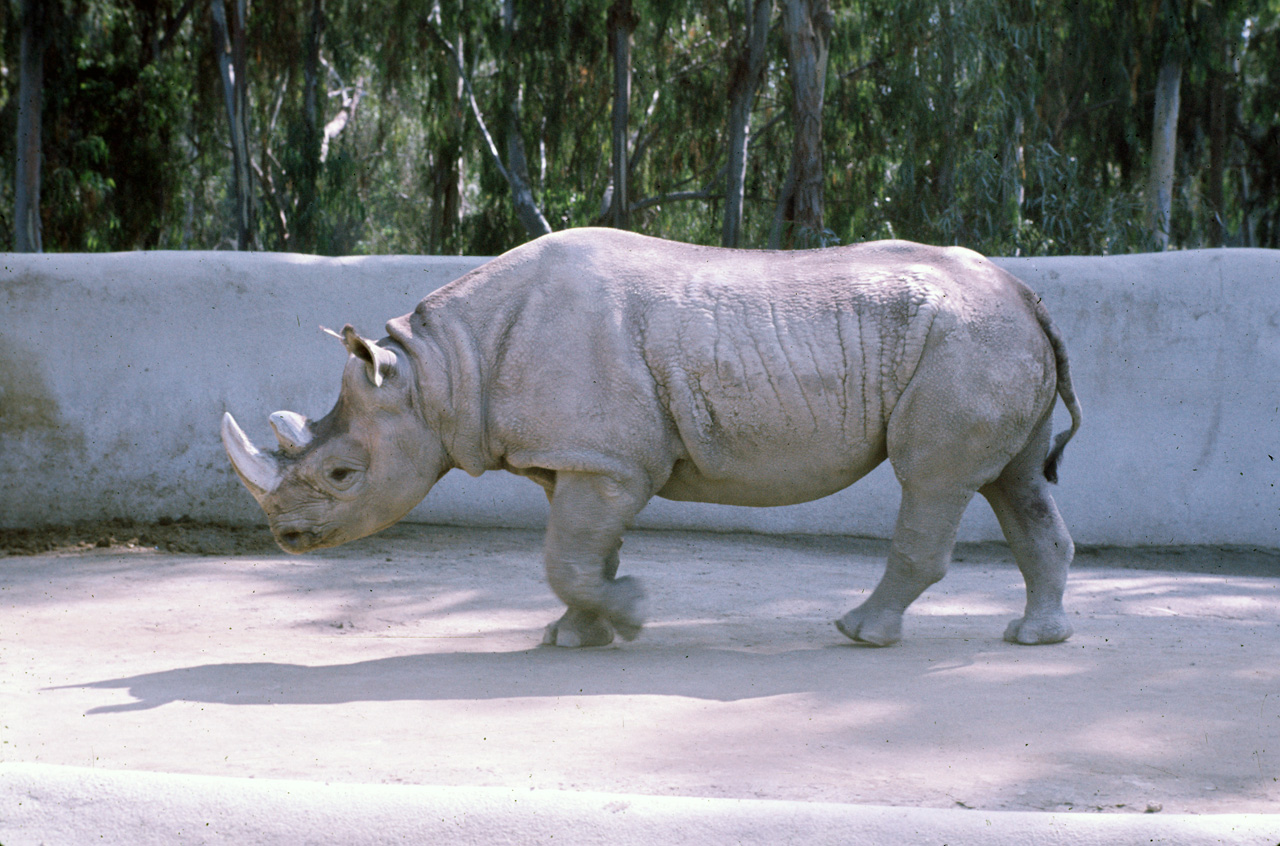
(300, 540)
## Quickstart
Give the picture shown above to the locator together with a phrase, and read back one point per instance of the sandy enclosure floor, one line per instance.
(412, 657)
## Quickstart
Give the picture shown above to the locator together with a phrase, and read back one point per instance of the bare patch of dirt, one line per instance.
(426, 638)
(1208, 559)
(1214, 560)
(186, 535)
(165, 535)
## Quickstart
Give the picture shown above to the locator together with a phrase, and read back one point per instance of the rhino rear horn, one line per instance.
(260, 473)
(293, 431)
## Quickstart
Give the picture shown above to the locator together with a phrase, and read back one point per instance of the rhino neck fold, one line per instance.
(449, 386)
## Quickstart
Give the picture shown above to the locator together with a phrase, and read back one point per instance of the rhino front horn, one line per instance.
(260, 473)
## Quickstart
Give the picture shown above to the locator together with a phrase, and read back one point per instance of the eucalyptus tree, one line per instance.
(1256, 176)
(1003, 126)
(748, 61)
(515, 39)
(311, 135)
(622, 23)
(1167, 21)
(807, 30)
(230, 46)
(1011, 126)
(93, 147)
(26, 216)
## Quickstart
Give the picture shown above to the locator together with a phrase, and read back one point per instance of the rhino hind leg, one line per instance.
(588, 515)
(1040, 543)
(921, 550)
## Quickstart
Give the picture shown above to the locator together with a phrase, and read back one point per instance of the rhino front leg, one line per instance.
(588, 516)
(579, 627)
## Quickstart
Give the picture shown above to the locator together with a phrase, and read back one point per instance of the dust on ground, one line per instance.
(183, 535)
(412, 657)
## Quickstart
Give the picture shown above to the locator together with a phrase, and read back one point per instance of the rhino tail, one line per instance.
(1065, 389)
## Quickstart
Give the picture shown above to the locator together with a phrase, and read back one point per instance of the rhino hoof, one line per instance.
(1038, 630)
(882, 628)
(577, 629)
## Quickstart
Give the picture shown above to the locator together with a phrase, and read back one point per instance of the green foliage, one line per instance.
(1013, 127)
(111, 176)
(1256, 187)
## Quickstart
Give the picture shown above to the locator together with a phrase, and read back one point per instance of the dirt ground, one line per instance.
(168, 535)
(412, 657)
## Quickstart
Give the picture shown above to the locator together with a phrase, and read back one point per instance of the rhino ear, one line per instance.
(379, 362)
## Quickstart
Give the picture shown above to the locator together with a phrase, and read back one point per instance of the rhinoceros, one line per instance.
(610, 367)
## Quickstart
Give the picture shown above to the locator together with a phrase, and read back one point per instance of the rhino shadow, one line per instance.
(711, 674)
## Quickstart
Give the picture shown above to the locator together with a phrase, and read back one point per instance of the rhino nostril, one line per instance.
(293, 538)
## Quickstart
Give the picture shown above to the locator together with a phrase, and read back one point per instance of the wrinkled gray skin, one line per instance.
(609, 367)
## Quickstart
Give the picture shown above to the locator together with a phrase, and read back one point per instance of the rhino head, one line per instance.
(355, 471)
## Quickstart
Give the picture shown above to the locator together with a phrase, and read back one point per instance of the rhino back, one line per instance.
(746, 377)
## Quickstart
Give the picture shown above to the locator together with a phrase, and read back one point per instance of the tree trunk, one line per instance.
(1218, 93)
(527, 211)
(26, 213)
(622, 22)
(1221, 92)
(746, 74)
(229, 41)
(807, 28)
(1014, 166)
(446, 165)
(947, 102)
(305, 215)
(516, 177)
(1163, 150)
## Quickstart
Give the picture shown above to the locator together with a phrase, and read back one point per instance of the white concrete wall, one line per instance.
(115, 371)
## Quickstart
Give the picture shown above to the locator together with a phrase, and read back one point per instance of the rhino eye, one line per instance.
(342, 477)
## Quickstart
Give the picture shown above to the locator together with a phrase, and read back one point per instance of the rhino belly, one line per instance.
(783, 477)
